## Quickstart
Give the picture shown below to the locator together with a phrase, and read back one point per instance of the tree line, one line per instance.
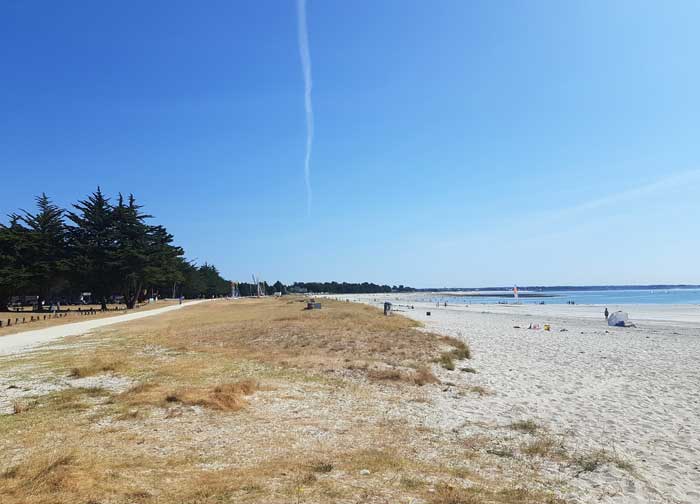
(250, 289)
(346, 288)
(106, 248)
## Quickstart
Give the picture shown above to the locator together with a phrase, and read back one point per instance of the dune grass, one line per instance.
(529, 426)
(246, 401)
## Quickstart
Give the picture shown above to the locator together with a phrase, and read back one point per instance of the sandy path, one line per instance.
(18, 342)
(632, 390)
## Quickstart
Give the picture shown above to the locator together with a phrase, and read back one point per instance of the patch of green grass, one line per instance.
(528, 426)
(545, 447)
(322, 467)
(460, 350)
(590, 462)
(410, 483)
(446, 361)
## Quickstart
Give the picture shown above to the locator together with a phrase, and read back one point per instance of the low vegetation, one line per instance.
(248, 401)
(226, 397)
(545, 447)
(95, 366)
(529, 426)
(459, 351)
(589, 462)
(449, 494)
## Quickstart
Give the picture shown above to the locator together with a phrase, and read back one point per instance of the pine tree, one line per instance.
(131, 249)
(93, 242)
(13, 277)
(105, 249)
(43, 255)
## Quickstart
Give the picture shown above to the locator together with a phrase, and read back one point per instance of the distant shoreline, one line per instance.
(498, 295)
(565, 288)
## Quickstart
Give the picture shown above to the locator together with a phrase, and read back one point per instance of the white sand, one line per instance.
(19, 342)
(632, 391)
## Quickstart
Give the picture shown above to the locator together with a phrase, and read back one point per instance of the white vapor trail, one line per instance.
(306, 67)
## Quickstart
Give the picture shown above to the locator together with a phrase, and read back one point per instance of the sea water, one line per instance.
(601, 297)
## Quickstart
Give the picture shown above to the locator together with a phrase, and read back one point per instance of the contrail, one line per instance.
(306, 66)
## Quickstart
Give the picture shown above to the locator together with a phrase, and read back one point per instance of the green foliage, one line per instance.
(98, 247)
(346, 288)
(446, 361)
(12, 274)
(92, 245)
(33, 250)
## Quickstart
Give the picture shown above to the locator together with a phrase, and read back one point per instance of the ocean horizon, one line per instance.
(583, 296)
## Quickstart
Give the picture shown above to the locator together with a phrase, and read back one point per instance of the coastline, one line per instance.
(665, 314)
(629, 390)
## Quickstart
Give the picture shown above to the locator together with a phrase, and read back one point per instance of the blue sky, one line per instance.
(455, 143)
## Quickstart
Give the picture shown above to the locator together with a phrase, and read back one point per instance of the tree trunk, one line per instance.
(132, 299)
(5, 302)
(128, 299)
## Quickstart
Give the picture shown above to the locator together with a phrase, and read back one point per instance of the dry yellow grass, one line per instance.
(73, 315)
(97, 364)
(448, 494)
(246, 401)
(546, 447)
(225, 397)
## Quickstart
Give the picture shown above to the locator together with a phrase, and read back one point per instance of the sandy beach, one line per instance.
(343, 404)
(632, 391)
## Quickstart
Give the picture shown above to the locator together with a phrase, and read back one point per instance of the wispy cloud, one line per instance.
(678, 179)
(536, 225)
(306, 67)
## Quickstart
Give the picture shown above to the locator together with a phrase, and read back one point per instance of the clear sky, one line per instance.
(456, 143)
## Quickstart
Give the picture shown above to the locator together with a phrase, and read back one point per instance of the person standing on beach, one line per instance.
(606, 313)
